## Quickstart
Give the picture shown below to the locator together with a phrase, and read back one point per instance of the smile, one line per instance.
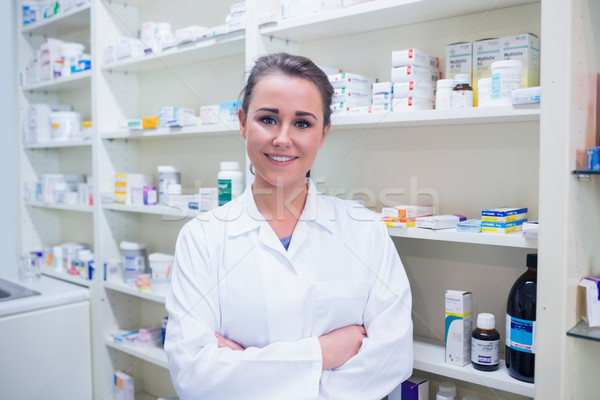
(280, 158)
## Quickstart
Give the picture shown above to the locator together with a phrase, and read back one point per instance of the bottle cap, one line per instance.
(447, 387)
(132, 245)
(532, 260)
(462, 79)
(230, 165)
(167, 168)
(444, 396)
(486, 321)
(507, 64)
(174, 188)
(445, 83)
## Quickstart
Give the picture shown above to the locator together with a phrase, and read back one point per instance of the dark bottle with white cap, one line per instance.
(485, 344)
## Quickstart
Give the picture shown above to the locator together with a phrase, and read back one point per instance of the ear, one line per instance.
(242, 119)
(324, 135)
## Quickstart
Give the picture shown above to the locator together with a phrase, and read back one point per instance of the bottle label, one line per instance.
(225, 192)
(485, 352)
(520, 334)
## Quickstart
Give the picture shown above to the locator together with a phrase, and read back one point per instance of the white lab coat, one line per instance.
(233, 276)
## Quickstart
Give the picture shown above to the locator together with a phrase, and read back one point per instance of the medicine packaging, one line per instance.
(411, 104)
(351, 81)
(372, 109)
(459, 59)
(439, 221)
(421, 89)
(414, 73)
(589, 300)
(407, 211)
(525, 48)
(414, 57)
(530, 229)
(485, 52)
(458, 327)
(352, 97)
(530, 95)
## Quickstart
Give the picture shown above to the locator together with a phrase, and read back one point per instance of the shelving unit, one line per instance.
(64, 276)
(467, 159)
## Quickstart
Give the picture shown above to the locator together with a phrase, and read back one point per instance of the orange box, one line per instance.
(150, 122)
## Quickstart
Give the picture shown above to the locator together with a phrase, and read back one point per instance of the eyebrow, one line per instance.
(298, 113)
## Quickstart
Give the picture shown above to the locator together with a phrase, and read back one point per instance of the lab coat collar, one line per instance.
(315, 210)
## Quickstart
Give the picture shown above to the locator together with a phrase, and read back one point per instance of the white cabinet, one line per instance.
(464, 160)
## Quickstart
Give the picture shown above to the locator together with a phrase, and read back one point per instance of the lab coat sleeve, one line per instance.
(385, 358)
(202, 370)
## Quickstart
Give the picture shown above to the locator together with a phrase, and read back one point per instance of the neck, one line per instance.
(280, 205)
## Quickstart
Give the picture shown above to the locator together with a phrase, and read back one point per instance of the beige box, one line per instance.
(485, 52)
(459, 59)
(458, 327)
(525, 48)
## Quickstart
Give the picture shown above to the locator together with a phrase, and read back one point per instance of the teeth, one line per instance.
(281, 158)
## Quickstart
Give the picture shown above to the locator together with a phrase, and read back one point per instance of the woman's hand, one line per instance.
(224, 342)
(340, 345)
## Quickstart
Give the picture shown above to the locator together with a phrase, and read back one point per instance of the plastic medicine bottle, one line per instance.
(230, 181)
(462, 94)
(520, 324)
(446, 391)
(485, 344)
(443, 94)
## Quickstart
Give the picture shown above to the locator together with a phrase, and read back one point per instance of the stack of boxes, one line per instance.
(414, 74)
(350, 91)
(503, 220)
(132, 189)
(404, 216)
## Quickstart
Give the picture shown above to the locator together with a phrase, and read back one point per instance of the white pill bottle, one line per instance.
(230, 181)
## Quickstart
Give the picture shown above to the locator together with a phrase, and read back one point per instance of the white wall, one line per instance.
(8, 147)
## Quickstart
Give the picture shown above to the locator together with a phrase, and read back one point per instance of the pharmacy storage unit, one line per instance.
(462, 160)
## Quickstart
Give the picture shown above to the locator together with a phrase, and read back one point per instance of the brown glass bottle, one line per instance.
(485, 344)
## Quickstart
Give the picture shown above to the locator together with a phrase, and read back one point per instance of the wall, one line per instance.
(8, 150)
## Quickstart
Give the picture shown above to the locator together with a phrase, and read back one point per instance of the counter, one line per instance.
(53, 292)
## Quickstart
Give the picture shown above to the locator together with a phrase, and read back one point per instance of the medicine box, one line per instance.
(525, 48)
(414, 73)
(124, 386)
(503, 211)
(459, 59)
(439, 221)
(469, 226)
(352, 97)
(411, 104)
(351, 81)
(382, 98)
(414, 57)
(589, 300)
(372, 109)
(407, 211)
(508, 227)
(485, 52)
(383, 87)
(414, 388)
(531, 229)
(458, 327)
(421, 89)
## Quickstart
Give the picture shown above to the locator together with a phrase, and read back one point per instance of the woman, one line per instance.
(249, 317)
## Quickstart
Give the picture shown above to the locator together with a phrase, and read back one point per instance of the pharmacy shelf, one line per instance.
(78, 80)
(429, 356)
(582, 330)
(123, 288)
(64, 22)
(55, 145)
(64, 276)
(515, 239)
(475, 115)
(377, 15)
(63, 207)
(209, 130)
(188, 53)
(155, 355)
(162, 210)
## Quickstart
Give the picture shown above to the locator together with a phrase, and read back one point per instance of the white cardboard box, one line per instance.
(458, 327)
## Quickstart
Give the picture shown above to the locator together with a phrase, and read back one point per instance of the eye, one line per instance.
(302, 124)
(268, 120)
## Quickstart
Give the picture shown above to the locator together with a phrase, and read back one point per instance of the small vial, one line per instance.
(462, 94)
(485, 344)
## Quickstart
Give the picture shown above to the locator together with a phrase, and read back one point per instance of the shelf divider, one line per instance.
(583, 331)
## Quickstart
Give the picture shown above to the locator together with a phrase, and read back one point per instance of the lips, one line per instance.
(280, 159)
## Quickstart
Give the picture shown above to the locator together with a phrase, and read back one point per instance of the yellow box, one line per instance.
(150, 122)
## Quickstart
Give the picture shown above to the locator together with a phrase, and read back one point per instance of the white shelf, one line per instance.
(55, 145)
(208, 130)
(475, 115)
(63, 207)
(75, 19)
(377, 15)
(77, 80)
(515, 239)
(64, 276)
(147, 295)
(155, 355)
(429, 357)
(216, 47)
(152, 210)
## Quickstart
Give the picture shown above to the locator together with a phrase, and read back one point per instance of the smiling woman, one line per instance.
(283, 293)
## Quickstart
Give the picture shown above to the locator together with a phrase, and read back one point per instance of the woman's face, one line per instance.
(283, 129)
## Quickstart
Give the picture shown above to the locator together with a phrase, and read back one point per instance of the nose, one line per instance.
(282, 139)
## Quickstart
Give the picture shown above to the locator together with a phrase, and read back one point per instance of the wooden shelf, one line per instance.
(65, 22)
(63, 207)
(430, 355)
(377, 15)
(189, 53)
(123, 288)
(515, 239)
